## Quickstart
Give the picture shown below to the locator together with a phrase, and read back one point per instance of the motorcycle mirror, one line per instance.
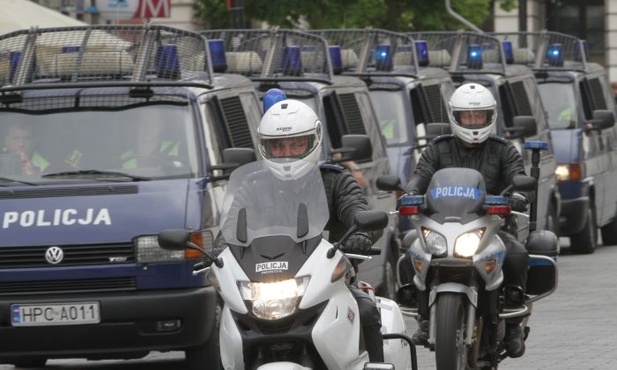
(524, 183)
(174, 239)
(388, 183)
(371, 220)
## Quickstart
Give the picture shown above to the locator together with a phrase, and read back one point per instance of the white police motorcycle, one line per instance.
(457, 257)
(286, 301)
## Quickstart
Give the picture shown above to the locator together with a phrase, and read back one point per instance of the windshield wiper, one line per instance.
(8, 179)
(96, 172)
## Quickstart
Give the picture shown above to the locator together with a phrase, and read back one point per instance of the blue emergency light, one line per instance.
(273, 96)
(422, 51)
(508, 51)
(291, 64)
(536, 144)
(15, 57)
(70, 49)
(166, 61)
(336, 58)
(554, 55)
(383, 58)
(474, 56)
(217, 55)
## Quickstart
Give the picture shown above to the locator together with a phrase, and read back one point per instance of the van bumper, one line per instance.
(130, 323)
(573, 215)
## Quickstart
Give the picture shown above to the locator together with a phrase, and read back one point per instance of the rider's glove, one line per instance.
(518, 202)
(358, 243)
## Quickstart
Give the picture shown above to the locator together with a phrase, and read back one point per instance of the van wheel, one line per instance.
(552, 221)
(586, 241)
(206, 356)
(609, 232)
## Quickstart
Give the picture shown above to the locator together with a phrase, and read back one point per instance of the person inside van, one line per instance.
(150, 148)
(18, 140)
(472, 113)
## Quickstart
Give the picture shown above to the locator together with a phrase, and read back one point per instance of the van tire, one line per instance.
(609, 232)
(586, 241)
(206, 356)
(29, 363)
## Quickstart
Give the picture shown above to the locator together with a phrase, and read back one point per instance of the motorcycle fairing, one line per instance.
(455, 194)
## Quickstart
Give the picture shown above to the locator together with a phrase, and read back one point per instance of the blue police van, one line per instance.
(111, 134)
(581, 114)
(307, 69)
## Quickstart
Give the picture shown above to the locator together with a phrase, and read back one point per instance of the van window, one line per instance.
(390, 108)
(559, 100)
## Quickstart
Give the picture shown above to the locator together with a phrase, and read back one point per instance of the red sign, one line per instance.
(153, 9)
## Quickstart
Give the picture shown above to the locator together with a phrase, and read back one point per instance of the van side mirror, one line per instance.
(602, 119)
(522, 127)
(355, 148)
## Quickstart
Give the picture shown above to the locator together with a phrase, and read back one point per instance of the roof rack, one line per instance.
(547, 50)
(464, 51)
(373, 51)
(275, 54)
(105, 55)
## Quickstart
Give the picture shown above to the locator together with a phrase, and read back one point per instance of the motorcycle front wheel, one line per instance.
(450, 350)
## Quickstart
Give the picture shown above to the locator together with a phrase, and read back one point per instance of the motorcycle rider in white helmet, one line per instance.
(290, 129)
(472, 111)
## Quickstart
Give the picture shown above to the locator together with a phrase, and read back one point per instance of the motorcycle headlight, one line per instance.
(275, 300)
(435, 242)
(467, 244)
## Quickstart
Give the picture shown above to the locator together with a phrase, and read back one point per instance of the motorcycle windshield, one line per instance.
(455, 195)
(260, 202)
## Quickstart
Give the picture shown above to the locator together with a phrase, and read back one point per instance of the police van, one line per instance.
(110, 135)
(481, 58)
(301, 65)
(581, 114)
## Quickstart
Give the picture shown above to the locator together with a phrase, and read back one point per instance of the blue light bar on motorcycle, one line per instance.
(383, 58)
(410, 204)
(536, 144)
(508, 51)
(166, 61)
(217, 54)
(291, 64)
(336, 58)
(554, 55)
(273, 96)
(474, 56)
(495, 200)
(422, 51)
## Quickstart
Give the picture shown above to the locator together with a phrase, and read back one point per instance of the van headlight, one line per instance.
(275, 300)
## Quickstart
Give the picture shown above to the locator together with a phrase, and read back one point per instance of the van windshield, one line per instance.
(390, 109)
(560, 104)
(151, 141)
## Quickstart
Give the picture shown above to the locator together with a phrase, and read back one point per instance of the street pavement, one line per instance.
(573, 329)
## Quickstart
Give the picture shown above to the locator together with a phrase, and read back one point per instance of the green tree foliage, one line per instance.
(397, 15)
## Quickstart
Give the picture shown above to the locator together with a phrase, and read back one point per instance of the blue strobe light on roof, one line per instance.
(422, 51)
(336, 58)
(292, 61)
(166, 61)
(474, 56)
(508, 51)
(383, 58)
(273, 96)
(217, 55)
(554, 55)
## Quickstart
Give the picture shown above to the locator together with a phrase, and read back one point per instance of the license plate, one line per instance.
(53, 314)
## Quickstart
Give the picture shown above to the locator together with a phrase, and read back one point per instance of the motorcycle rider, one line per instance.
(290, 129)
(472, 114)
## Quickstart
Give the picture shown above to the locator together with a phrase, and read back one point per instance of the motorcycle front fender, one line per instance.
(470, 292)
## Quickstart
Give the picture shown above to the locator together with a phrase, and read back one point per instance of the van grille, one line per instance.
(67, 286)
(73, 255)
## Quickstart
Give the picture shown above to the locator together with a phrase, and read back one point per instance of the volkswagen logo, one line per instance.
(54, 255)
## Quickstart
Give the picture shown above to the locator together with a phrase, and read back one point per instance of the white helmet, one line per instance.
(477, 99)
(289, 131)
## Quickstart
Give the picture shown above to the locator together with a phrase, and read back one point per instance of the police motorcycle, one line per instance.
(458, 258)
(284, 288)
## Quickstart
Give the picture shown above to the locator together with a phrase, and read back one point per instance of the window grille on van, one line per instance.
(521, 99)
(236, 122)
(352, 115)
(596, 94)
(436, 103)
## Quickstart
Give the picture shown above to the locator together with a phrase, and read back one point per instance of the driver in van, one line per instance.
(472, 113)
(19, 140)
(291, 129)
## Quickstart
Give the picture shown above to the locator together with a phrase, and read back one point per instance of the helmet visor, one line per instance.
(288, 147)
(476, 118)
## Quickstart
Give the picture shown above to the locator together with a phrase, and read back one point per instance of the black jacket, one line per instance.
(345, 198)
(496, 159)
